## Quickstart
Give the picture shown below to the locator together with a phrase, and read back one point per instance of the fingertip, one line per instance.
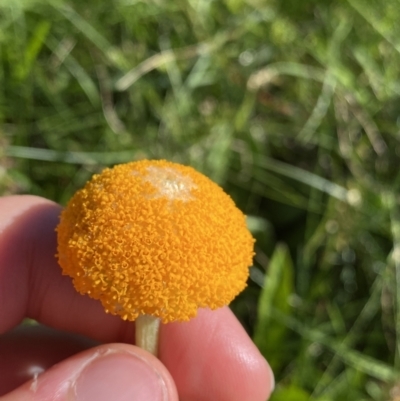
(262, 382)
(14, 205)
(115, 372)
(214, 348)
(26, 225)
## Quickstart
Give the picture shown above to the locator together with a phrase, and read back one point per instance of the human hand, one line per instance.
(209, 358)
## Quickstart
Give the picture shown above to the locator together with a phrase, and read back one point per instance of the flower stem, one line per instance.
(147, 328)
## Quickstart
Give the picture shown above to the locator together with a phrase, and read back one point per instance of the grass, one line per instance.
(291, 106)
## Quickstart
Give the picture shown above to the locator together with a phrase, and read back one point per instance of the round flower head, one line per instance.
(155, 238)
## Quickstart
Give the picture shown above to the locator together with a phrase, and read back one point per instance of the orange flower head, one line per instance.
(157, 238)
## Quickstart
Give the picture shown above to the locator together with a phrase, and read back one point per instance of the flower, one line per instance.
(154, 237)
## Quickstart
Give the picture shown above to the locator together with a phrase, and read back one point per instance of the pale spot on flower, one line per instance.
(170, 183)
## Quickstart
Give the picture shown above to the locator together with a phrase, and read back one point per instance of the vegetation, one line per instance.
(292, 106)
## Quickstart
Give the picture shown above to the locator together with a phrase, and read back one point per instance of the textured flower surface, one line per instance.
(157, 238)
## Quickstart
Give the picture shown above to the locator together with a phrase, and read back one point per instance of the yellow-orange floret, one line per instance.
(157, 238)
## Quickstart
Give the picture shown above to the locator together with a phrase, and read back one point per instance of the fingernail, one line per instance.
(120, 377)
(273, 383)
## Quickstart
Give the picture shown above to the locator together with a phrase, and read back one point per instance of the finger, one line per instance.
(31, 284)
(212, 358)
(31, 349)
(117, 372)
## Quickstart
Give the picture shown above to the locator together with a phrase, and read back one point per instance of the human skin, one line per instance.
(208, 358)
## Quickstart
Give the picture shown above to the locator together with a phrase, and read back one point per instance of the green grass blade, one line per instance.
(88, 158)
(33, 48)
(269, 335)
(115, 56)
(357, 360)
(305, 177)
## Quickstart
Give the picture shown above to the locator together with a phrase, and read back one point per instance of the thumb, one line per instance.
(118, 372)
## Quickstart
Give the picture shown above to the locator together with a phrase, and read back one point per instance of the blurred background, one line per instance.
(292, 106)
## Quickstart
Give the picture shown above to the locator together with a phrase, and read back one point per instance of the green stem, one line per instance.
(147, 329)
